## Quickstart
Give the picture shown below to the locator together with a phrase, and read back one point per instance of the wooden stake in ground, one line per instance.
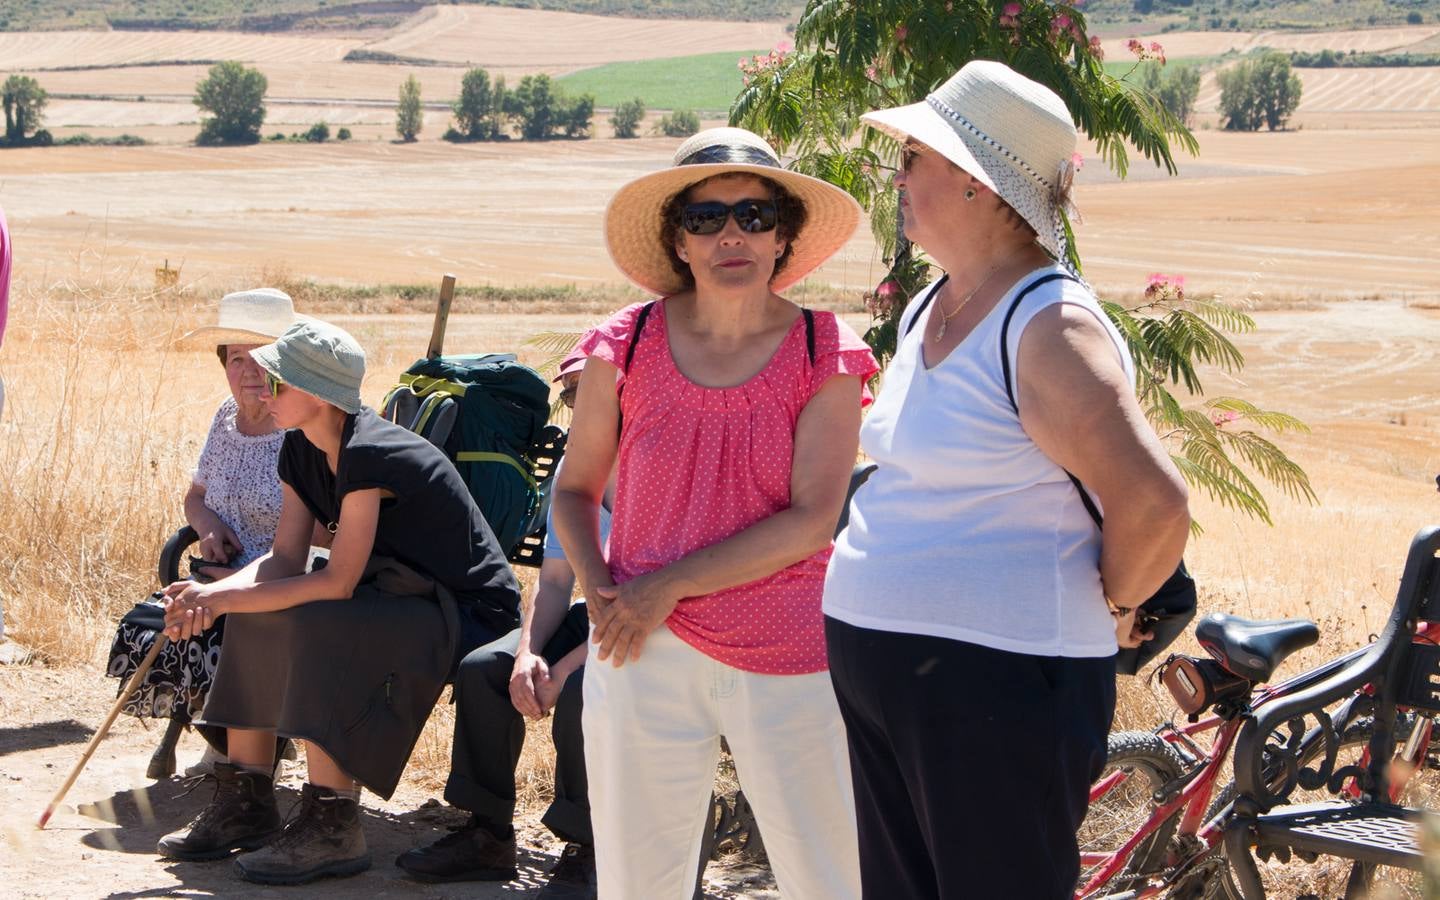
(130, 687)
(442, 316)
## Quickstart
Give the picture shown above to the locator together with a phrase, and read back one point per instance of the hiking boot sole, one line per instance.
(341, 869)
(467, 875)
(248, 844)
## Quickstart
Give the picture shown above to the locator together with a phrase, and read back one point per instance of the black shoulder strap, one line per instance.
(635, 334)
(809, 333)
(1010, 390)
(924, 303)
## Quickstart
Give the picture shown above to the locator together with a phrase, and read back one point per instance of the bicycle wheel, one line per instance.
(1137, 764)
(1326, 876)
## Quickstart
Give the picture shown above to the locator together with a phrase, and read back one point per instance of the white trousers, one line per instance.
(652, 741)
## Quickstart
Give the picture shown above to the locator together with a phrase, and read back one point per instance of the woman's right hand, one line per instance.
(217, 542)
(525, 679)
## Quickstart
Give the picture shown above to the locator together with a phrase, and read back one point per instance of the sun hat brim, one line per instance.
(217, 335)
(923, 123)
(291, 373)
(633, 226)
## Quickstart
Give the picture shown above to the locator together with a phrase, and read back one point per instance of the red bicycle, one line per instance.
(1159, 812)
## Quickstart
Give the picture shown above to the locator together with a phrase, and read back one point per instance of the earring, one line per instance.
(779, 253)
(969, 194)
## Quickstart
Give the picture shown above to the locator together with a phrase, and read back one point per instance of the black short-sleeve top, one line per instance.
(431, 524)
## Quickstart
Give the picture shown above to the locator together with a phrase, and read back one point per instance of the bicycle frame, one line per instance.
(1194, 790)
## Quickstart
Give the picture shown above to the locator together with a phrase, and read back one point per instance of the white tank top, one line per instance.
(967, 530)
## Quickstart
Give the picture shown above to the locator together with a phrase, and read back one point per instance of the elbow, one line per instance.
(1167, 507)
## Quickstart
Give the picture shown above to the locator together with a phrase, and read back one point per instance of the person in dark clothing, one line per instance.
(349, 658)
(531, 672)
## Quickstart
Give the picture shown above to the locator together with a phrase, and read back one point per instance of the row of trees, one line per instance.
(629, 115)
(1261, 92)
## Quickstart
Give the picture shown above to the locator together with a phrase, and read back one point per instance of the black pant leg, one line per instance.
(569, 815)
(489, 734)
(894, 859)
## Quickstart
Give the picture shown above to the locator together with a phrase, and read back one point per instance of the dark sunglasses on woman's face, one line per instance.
(753, 216)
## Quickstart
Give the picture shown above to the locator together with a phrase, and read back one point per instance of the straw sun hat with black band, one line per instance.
(633, 218)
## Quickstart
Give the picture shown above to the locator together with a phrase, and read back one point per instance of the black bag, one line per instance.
(1168, 612)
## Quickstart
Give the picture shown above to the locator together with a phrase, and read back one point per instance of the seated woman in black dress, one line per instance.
(351, 657)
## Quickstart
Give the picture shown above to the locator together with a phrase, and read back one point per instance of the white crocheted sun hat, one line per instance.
(633, 218)
(1013, 134)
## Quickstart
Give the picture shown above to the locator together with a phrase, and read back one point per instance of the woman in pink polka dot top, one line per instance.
(734, 415)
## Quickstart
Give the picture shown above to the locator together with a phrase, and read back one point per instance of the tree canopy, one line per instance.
(234, 95)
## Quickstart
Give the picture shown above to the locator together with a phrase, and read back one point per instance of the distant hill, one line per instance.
(1259, 15)
(309, 15)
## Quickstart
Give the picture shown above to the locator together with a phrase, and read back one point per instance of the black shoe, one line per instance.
(324, 839)
(472, 853)
(573, 877)
(241, 816)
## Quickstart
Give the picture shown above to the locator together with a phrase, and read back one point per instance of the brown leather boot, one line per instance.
(241, 816)
(324, 838)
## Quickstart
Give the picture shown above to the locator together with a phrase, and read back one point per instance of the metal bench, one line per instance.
(1391, 678)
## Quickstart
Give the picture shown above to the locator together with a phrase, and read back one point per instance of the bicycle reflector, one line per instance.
(1198, 684)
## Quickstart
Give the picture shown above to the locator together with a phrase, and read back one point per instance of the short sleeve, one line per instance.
(210, 452)
(610, 340)
(552, 548)
(840, 351)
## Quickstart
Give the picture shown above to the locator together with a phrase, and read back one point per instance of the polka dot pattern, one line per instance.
(241, 486)
(698, 465)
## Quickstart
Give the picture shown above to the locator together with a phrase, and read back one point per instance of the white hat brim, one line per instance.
(922, 123)
(632, 223)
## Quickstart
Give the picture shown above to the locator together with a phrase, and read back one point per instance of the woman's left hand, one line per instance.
(190, 609)
(1128, 632)
(636, 608)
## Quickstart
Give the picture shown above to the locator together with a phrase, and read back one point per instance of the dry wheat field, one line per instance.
(1325, 233)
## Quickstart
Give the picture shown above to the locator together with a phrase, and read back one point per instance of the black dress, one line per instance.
(359, 676)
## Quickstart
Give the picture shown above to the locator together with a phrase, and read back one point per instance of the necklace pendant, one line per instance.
(940, 335)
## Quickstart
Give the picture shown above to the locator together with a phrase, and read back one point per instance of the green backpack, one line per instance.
(488, 413)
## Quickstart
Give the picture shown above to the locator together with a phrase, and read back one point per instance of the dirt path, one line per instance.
(102, 841)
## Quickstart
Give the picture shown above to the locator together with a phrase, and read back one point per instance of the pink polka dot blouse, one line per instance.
(700, 464)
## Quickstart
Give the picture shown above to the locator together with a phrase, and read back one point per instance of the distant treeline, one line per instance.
(1334, 59)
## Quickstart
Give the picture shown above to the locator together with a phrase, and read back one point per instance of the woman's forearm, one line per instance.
(1142, 542)
(762, 549)
(272, 595)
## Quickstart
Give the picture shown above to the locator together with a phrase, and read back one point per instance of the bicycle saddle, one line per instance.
(1252, 648)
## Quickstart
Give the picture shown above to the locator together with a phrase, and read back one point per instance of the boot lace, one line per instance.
(303, 822)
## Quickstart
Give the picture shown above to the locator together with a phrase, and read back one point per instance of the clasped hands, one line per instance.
(190, 609)
(623, 615)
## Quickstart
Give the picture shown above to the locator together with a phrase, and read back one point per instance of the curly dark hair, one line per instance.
(790, 215)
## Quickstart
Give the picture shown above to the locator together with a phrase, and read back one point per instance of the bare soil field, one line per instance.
(1301, 215)
(1179, 44)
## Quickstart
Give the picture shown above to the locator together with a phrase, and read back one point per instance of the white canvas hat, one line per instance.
(632, 220)
(257, 316)
(1013, 134)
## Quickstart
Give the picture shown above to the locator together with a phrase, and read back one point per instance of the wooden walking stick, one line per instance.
(130, 688)
(442, 316)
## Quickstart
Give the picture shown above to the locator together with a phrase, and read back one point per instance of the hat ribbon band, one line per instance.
(945, 110)
(730, 153)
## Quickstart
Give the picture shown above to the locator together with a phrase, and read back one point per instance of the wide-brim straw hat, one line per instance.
(633, 218)
(1013, 134)
(256, 316)
(319, 359)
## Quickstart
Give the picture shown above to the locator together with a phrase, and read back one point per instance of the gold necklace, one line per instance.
(946, 317)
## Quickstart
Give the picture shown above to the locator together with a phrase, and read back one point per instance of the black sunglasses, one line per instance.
(753, 216)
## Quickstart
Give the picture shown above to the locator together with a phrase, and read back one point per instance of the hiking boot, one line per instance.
(573, 877)
(241, 816)
(472, 853)
(324, 838)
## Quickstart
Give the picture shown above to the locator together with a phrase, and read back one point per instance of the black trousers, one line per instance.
(972, 766)
(489, 734)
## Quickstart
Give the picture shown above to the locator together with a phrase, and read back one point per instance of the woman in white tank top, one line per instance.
(972, 604)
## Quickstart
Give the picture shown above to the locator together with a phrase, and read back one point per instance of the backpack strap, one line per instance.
(925, 303)
(635, 334)
(1090, 506)
(809, 333)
